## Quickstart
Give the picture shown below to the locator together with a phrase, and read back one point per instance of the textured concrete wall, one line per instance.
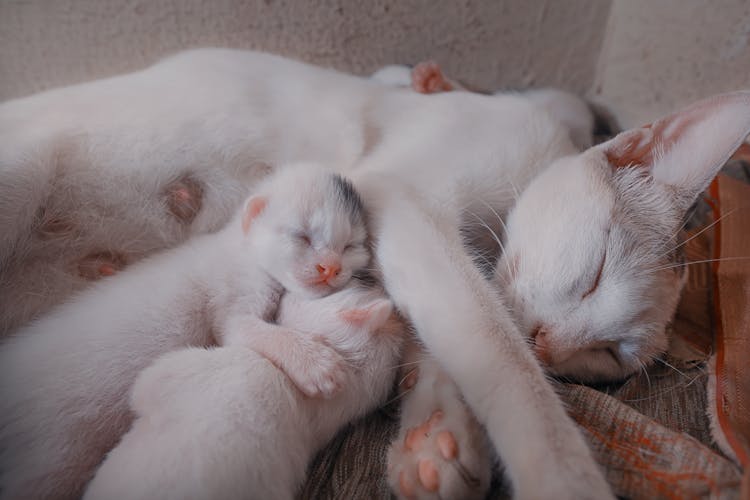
(660, 55)
(488, 43)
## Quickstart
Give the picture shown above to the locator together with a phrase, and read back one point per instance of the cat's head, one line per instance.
(308, 229)
(589, 265)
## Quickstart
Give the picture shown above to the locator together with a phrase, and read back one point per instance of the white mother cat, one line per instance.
(427, 165)
(226, 423)
(64, 379)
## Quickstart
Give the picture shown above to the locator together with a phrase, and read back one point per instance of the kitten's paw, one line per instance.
(97, 265)
(184, 199)
(440, 458)
(428, 78)
(318, 372)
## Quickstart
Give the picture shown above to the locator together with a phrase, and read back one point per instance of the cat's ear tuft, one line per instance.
(373, 316)
(685, 150)
(253, 208)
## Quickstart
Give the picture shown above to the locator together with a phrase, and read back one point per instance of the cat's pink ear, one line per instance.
(687, 149)
(372, 316)
(253, 208)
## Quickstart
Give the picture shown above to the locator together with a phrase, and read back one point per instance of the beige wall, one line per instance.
(489, 43)
(655, 55)
(662, 54)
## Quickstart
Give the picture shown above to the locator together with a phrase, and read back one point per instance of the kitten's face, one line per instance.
(311, 237)
(588, 267)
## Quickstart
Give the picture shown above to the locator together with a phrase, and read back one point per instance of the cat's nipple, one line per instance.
(184, 199)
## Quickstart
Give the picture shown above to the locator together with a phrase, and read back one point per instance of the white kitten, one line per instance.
(65, 378)
(226, 423)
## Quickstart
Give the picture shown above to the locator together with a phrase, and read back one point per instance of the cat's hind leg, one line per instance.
(441, 451)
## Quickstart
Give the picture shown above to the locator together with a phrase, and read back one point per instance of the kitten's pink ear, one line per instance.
(687, 149)
(253, 208)
(372, 317)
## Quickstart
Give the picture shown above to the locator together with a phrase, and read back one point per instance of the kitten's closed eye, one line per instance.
(352, 246)
(302, 237)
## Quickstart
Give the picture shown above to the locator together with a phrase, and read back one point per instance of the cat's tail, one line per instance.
(465, 325)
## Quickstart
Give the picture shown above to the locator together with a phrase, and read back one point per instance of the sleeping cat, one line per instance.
(427, 165)
(64, 379)
(226, 423)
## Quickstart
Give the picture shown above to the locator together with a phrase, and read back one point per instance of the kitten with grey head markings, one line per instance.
(64, 379)
(226, 423)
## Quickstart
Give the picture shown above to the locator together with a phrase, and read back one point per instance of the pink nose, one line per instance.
(327, 272)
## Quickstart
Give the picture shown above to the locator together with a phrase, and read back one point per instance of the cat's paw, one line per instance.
(428, 78)
(184, 198)
(442, 457)
(318, 371)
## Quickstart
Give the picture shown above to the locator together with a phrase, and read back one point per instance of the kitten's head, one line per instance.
(589, 256)
(308, 229)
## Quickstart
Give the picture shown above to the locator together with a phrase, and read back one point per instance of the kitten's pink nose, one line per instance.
(328, 271)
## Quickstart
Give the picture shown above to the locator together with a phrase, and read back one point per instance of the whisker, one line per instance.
(406, 376)
(666, 363)
(397, 397)
(672, 266)
(494, 236)
(709, 226)
(405, 364)
(684, 222)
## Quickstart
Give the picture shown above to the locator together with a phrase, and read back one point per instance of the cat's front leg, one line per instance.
(314, 367)
(464, 323)
(441, 450)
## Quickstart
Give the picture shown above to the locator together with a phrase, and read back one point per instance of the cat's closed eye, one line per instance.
(598, 278)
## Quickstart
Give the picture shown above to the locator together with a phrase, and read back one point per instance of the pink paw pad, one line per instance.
(100, 264)
(427, 462)
(428, 475)
(447, 445)
(184, 199)
(428, 78)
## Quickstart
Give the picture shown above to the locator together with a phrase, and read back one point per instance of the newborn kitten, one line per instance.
(226, 423)
(64, 379)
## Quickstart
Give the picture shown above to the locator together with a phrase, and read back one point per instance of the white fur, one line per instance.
(64, 378)
(427, 165)
(226, 423)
